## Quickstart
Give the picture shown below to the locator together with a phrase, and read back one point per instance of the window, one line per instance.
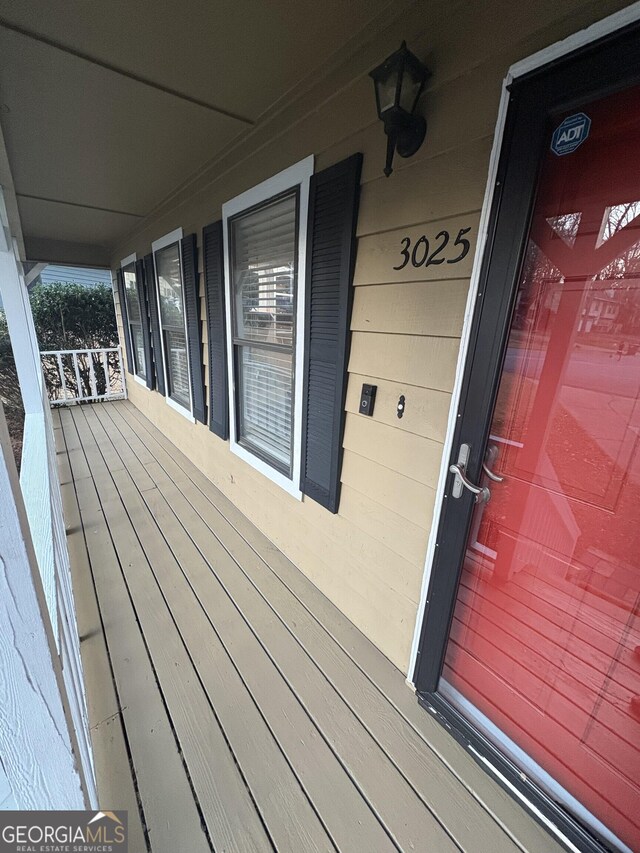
(265, 244)
(168, 266)
(134, 317)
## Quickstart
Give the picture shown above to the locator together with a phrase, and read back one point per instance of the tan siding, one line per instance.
(426, 361)
(380, 254)
(400, 494)
(411, 309)
(427, 191)
(411, 455)
(425, 413)
(406, 323)
(391, 529)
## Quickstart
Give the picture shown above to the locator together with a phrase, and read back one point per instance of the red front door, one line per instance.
(545, 641)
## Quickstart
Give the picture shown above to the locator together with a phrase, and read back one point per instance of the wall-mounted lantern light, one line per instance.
(399, 82)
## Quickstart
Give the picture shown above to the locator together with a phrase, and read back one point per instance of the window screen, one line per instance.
(134, 312)
(263, 278)
(169, 275)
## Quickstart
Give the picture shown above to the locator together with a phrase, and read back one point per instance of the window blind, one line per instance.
(134, 317)
(178, 366)
(169, 276)
(138, 346)
(131, 290)
(265, 406)
(263, 269)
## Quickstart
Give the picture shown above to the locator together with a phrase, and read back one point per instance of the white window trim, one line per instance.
(297, 175)
(174, 236)
(125, 262)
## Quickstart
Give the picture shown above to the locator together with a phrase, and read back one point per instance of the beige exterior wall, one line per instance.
(369, 558)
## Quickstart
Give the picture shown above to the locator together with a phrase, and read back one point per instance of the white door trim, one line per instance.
(592, 33)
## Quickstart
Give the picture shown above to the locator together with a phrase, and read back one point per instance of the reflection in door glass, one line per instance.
(546, 637)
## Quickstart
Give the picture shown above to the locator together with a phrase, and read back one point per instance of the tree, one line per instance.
(68, 316)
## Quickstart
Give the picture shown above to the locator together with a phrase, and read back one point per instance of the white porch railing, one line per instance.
(83, 375)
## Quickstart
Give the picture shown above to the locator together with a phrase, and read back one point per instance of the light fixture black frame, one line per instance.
(405, 131)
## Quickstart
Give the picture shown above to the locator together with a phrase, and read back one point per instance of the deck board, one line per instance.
(282, 726)
(195, 632)
(105, 718)
(222, 795)
(169, 808)
(337, 680)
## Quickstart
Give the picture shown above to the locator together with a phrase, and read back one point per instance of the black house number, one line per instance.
(423, 256)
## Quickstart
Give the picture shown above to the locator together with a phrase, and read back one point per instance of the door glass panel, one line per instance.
(545, 641)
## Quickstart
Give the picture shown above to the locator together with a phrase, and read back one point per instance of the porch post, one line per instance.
(35, 741)
(19, 319)
(44, 733)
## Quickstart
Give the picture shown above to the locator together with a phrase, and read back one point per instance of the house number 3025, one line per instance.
(422, 255)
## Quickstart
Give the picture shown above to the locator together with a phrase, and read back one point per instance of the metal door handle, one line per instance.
(495, 477)
(490, 457)
(482, 493)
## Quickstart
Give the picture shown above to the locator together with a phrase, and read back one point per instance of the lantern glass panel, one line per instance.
(410, 91)
(387, 90)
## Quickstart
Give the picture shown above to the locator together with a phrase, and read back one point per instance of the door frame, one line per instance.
(439, 584)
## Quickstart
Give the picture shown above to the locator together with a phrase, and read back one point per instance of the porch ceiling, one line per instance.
(106, 108)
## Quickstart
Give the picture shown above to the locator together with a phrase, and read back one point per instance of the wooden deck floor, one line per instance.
(233, 707)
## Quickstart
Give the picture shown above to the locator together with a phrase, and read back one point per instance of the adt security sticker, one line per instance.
(570, 134)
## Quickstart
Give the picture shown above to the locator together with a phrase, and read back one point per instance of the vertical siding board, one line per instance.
(212, 253)
(126, 331)
(150, 277)
(191, 286)
(333, 215)
(143, 298)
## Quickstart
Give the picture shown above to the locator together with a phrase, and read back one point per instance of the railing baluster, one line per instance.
(103, 356)
(77, 372)
(105, 366)
(121, 368)
(92, 375)
(62, 379)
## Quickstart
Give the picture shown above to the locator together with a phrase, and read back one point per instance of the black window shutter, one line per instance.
(191, 290)
(150, 278)
(126, 331)
(143, 298)
(212, 252)
(331, 252)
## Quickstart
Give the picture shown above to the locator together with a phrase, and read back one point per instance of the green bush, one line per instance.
(67, 316)
(70, 316)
